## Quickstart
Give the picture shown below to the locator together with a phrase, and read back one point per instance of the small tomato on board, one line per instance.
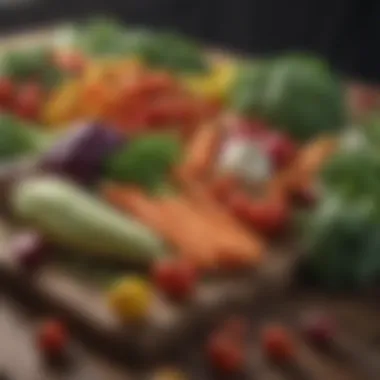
(278, 344)
(225, 354)
(169, 374)
(52, 337)
(319, 329)
(175, 278)
(130, 299)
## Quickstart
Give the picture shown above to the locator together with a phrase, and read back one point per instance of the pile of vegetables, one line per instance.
(184, 166)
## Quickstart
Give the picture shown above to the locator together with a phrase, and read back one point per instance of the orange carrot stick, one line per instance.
(221, 240)
(306, 166)
(202, 150)
(220, 216)
(173, 226)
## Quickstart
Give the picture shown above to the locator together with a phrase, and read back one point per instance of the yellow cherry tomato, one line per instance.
(131, 298)
(169, 374)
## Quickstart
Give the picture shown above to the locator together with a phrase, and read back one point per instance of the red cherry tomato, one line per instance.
(175, 278)
(268, 217)
(277, 344)
(28, 101)
(280, 148)
(7, 90)
(52, 337)
(319, 329)
(225, 354)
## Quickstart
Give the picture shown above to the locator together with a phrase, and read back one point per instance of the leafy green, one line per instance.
(173, 52)
(354, 173)
(145, 161)
(103, 37)
(246, 95)
(18, 138)
(342, 242)
(31, 63)
(295, 93)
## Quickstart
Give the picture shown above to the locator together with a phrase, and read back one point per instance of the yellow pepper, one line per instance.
(63, 104)
(131, 298)
(214, 85)
(169, 374)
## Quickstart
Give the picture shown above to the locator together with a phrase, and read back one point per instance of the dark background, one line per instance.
(347, 32)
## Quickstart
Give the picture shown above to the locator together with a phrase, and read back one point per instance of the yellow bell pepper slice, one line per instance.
(62, 105)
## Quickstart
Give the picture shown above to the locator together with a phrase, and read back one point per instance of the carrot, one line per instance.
(175, 227)
(250, 244)
(202, 150)
(306, 166)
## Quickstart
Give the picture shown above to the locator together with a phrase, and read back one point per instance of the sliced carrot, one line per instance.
(202, 150)
(249, 243)
(174, 227)
(206, 228)
(306, 166)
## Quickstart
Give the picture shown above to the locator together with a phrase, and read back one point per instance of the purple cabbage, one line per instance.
(80, 154)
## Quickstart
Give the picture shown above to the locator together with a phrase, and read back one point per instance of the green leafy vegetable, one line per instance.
(353, 173)
(18, 138)
(103, 37)
(100, 37)
(298, 94)
(173, 52)
(343, 243)
(145, 161)
(31, 63)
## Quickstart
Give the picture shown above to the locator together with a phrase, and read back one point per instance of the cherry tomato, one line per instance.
(225, 354)
(52, 337)
(28, 101)
(277, 344)
(7, 90)
(319, 329)
(130, 299)
(175, 278)
(270, 217)
(280, 148)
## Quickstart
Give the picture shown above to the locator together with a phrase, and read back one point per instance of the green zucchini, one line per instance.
(75, 219)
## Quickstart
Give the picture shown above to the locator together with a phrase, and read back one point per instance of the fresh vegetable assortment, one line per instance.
(183, 165)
